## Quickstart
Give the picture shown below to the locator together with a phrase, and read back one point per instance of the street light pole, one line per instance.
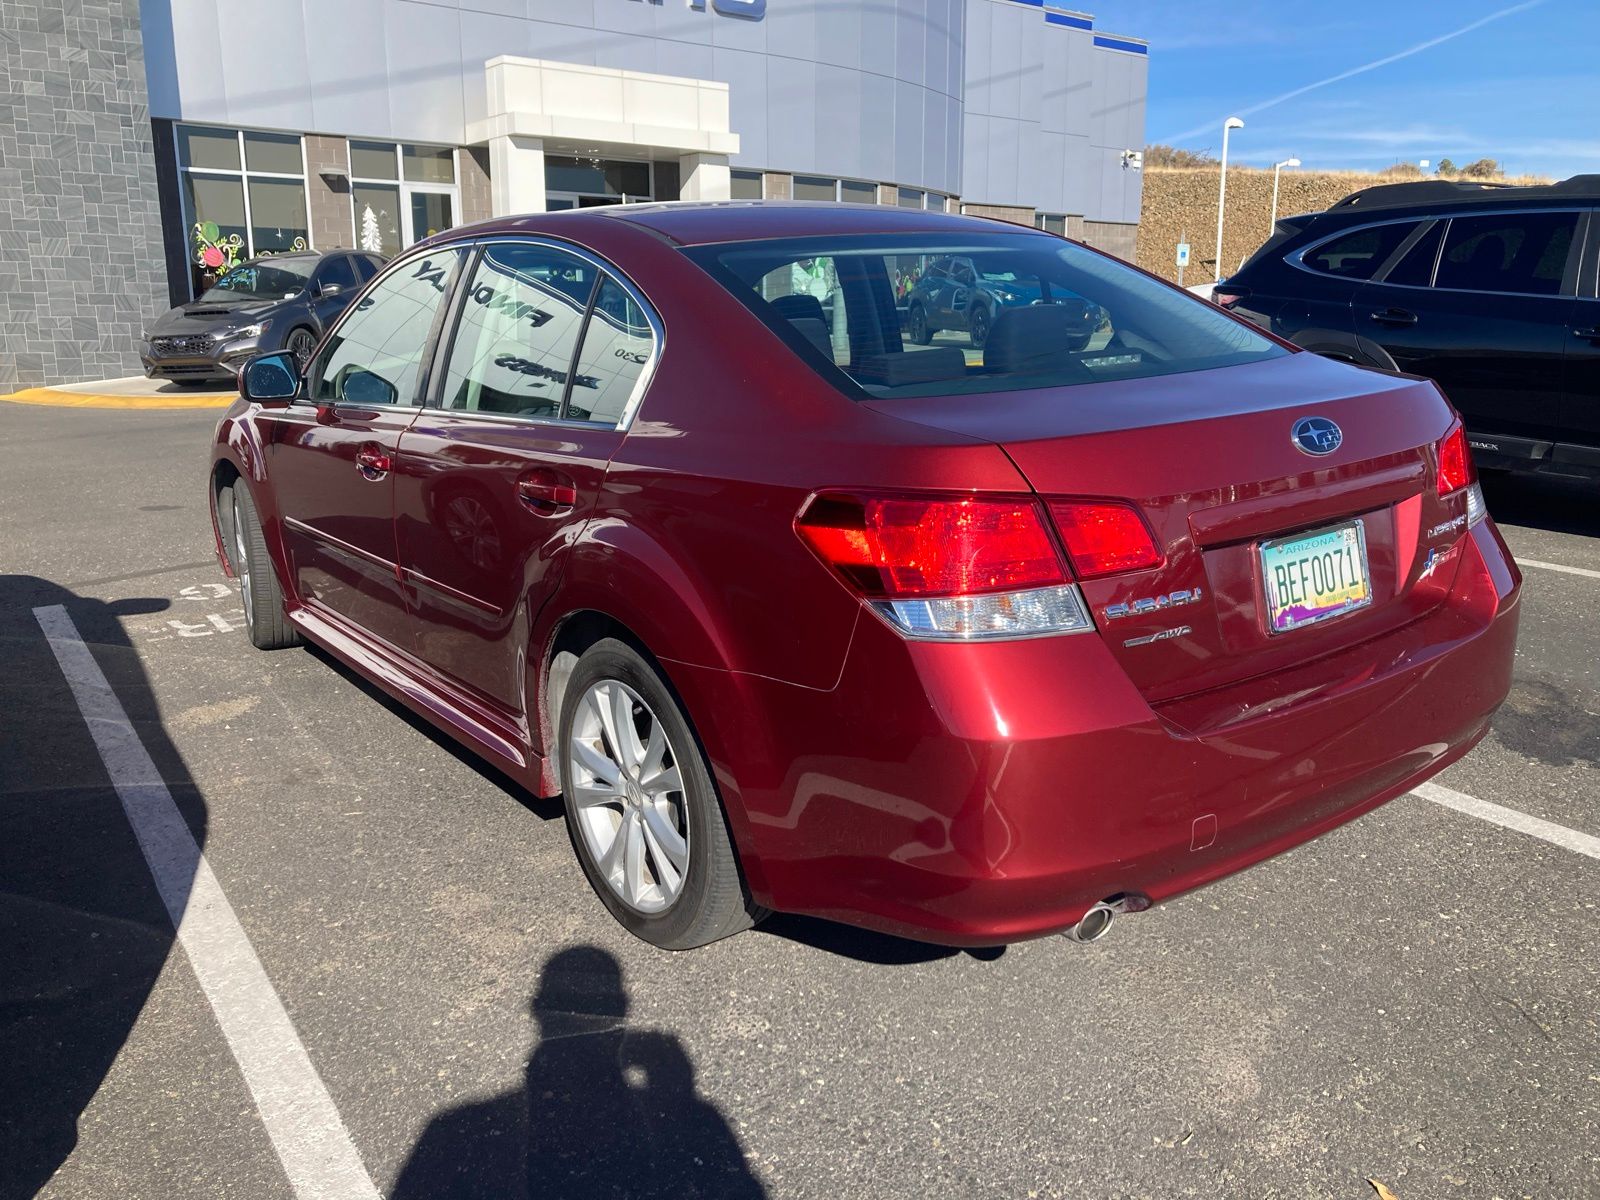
(1228, 126)
(1288, 162)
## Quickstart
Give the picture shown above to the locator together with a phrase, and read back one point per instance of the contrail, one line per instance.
(1365, 67)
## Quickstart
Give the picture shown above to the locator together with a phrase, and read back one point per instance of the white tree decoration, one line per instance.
(371, 238)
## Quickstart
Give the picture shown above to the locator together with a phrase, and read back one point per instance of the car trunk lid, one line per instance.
(1209, 459)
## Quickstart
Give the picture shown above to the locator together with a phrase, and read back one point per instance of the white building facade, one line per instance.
(375, 122)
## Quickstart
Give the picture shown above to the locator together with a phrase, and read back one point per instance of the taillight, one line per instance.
(1455, 463)
(1104, 538)
(1224, 296)
(947, 566)
(1456, 472)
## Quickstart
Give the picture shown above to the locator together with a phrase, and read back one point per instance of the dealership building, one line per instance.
(150, 145)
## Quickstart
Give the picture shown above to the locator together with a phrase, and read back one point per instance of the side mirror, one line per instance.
(272, 380)
(362, 388)
(324, 290)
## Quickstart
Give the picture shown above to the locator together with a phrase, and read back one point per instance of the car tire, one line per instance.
(259, 590)
(921, 332)
(659, 856)
(301, 343)
(978, 328)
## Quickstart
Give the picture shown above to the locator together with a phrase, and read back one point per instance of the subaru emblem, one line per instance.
(1317, 435)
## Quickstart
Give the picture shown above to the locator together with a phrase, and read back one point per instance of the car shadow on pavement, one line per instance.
(607, 1110)
(546, 808)
(1557, 503)
(83, 931)
(864, 945)
(843, 940)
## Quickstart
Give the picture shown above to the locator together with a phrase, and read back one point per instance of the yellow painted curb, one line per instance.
(65, 399)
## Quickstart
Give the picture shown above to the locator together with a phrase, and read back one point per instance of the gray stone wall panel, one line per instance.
(81, 267)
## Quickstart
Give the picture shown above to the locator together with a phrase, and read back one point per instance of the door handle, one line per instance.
(547, 492)
(1592, 334)
(372, 461)
(1395, 316)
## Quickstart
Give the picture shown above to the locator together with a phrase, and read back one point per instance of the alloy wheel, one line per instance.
(623, 781)
(301, 343)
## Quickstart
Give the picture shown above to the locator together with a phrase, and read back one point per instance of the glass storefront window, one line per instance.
(744, 185)
(855, 192)
(935, 201)
(273, 153)
(244, 195)
(814, 187)
(428, 164)
(910, 198)
(218, 199)
(400, 193)
(373, 160)
(277, 215)
(377, 208)
(666, 177)
(211, 149)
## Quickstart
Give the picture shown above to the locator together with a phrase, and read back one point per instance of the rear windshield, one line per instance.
(922, 315)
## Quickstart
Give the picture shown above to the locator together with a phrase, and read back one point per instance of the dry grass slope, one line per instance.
(1178, 201)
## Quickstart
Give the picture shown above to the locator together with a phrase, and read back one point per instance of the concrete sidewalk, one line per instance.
(134, 391)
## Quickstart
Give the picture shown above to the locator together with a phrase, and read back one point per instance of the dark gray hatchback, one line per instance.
(276, 302)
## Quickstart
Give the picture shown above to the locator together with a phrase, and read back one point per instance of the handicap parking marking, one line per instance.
(1510, 818)
(1562, 567)
(301, 1120)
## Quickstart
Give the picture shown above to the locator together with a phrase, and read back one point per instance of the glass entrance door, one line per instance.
(594, 182)
(561, 201)
(428, 211)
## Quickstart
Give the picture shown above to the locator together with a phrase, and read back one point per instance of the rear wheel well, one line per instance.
(576, 633)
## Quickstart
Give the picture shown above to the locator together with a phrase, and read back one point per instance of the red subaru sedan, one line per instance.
(661, 508)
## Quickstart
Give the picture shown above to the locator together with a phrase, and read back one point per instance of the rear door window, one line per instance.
(617, 345)
(1415, 268)
(518, 331)
(1359, 253)
(1523, 253)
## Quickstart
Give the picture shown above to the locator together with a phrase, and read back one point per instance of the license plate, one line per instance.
(1315, 576)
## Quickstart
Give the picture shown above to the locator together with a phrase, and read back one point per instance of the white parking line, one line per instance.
(1563, 568)
(1510, 818)
(305, 1127)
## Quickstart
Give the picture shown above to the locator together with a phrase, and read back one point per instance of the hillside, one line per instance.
(1179, 200)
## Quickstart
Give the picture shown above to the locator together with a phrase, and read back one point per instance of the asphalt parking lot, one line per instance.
(1414, 998)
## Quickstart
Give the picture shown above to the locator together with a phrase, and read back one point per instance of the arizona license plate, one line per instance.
(1315, 576)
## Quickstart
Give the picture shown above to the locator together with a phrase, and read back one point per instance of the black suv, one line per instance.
(1489, 290)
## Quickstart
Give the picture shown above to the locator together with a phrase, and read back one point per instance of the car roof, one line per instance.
(704, 222)
(1445, 193)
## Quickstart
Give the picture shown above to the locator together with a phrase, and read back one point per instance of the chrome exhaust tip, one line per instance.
(1093, 925)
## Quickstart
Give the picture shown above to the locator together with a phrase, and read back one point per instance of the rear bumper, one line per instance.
(976, 795)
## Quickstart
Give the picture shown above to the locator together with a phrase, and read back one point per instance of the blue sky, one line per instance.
(1518, 82)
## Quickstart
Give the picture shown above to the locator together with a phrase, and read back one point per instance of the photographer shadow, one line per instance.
(606, 1111)
(84, 933)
